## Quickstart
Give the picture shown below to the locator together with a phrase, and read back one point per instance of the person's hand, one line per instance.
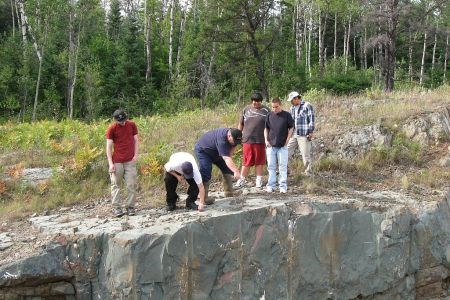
(309, 136)
(237, 174)
(112, 168)
(201, 207)
(134, 159)
(180, 178)
(268, 144)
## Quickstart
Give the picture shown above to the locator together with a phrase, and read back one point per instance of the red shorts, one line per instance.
(253, 154)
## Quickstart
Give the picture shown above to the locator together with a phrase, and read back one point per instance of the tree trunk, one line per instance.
(148, 42)
(422, 65)
(180, 42)
(446, 57)
(433, 60)
(335, 37)
(73, 61)
(298, 35)
(36, 94)
(309, 45)
(13, 19)
(171, 38)
(361, 54)
(347, 47)
(365, 48)
(322, 30)
(23, 27)
(410, 58)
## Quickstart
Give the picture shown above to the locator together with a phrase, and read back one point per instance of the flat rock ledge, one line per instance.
(377, 245)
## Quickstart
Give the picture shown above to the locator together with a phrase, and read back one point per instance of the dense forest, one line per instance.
(84, 58)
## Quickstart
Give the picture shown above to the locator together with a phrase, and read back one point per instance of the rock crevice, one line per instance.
(297, 248)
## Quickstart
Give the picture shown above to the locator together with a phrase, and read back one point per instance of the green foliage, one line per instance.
(340, 83)
(403, 151)
(334, 164)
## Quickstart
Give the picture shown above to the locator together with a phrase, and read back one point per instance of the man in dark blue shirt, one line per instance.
(217, 147)
(279, 128)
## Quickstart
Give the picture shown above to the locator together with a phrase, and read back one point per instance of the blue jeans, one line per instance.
(277, 155)
(206, 159)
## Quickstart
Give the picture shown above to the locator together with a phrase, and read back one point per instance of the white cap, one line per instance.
(292, 95)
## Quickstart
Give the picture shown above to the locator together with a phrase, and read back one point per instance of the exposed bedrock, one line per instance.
(375, 246)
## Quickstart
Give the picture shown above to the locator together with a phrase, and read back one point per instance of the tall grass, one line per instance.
(80, 147)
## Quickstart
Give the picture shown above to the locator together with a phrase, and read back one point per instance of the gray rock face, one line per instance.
(358, 142)
(376, 246)
(428, 128)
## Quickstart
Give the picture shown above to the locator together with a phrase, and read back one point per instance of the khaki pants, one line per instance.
(128, 172)
(305, 150)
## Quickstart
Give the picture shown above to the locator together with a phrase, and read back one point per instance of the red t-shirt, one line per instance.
(123, 139)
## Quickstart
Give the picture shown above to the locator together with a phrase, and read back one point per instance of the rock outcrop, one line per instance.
(371, 246)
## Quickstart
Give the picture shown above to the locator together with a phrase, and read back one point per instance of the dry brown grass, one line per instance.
(337, 113)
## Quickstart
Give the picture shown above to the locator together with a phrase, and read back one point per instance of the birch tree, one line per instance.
(148, 19)
(38, 45)
(74, 46)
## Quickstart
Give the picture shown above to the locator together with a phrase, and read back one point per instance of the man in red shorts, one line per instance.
(122, 135)
(252, 124)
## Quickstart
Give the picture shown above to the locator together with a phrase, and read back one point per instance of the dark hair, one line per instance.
(257, 96)
(237, 135)
(276, 100)
(120, 115)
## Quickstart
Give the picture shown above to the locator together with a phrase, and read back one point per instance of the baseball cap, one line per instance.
(119, 115)
(187, 169)
(292, 95)
(237, 135)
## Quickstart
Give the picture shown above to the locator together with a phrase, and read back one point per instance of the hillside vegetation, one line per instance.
(76, 151)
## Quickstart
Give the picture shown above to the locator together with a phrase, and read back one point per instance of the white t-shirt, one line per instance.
(177, 159)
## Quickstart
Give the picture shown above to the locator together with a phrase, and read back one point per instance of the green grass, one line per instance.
(80, 148)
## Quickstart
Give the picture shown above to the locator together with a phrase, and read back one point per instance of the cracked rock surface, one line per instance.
(371, 245)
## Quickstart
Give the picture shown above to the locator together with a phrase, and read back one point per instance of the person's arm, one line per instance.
(241, 121)
(136, 148)
(109, 150)
(311, 121)
(230, 164)
(178, 177)
(201, 193)
(266, 136)
(168, 167)
(291, 130)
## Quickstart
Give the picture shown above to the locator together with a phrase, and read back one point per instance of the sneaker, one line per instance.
(269, 189)
(283, 191)
(118, 212)
(131, 211)
(240, 183)
(191, 205)
(171, 207)
(259, 183)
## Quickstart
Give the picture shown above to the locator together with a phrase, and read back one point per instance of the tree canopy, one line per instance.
(84, 58)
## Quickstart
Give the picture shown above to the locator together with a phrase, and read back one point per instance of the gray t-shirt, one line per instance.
(253, 121)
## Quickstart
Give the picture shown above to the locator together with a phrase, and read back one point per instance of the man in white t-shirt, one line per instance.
(182, 166)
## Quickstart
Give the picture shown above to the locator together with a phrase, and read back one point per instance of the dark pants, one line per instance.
(206, 159)
(171, 190)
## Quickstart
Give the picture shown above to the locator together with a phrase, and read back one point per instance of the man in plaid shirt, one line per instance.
(303, 114)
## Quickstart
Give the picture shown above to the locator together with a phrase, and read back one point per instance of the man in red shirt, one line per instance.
(122, 135)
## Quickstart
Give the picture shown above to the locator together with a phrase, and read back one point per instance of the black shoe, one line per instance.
(191, 205)
(118, 212)
(171, 207)
(131, 211)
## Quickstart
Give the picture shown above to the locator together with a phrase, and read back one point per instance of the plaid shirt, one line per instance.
(303, 116)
